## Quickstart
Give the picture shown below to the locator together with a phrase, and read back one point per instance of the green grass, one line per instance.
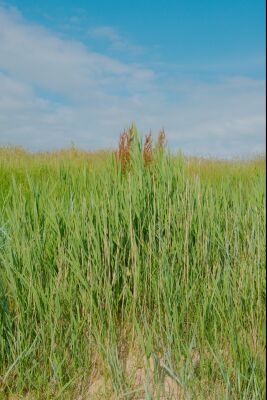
(98, 267)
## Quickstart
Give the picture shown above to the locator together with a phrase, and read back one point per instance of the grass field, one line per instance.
(131, 279)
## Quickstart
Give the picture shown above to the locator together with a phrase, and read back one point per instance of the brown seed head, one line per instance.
(122, 155)
(161, 143)
(147, 150)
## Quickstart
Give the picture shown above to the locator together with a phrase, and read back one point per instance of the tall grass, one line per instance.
(102, 267)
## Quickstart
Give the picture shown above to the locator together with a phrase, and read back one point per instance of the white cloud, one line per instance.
(102, 95)
(34, 54)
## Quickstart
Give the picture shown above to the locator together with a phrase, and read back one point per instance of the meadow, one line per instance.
(134, 275)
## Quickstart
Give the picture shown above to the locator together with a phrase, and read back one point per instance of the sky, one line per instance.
(80, 72)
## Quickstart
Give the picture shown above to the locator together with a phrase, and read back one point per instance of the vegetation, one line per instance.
(130, 275)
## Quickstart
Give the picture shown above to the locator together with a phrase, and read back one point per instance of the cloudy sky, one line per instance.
(80, 72)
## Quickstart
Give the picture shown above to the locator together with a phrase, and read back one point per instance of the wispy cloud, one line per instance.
(117, 41)
(55, 91)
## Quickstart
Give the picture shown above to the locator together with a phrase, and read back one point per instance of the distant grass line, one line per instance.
(102, 268)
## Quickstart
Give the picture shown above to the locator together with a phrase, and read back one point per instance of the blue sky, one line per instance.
(81, 72)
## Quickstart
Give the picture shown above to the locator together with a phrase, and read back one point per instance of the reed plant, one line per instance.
(144, 270)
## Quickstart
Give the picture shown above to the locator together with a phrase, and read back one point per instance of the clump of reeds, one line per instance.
(123, 153)
(140, 280)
